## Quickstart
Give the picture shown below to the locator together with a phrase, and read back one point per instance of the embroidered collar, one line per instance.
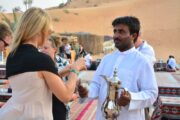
(127, 51)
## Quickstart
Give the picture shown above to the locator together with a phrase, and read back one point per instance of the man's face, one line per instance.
(122, 38)
(5, 42)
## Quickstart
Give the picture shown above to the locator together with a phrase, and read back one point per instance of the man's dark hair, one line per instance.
(132, 22)
(62, 49)
(64, 39)
(4, 30)
(171, 56)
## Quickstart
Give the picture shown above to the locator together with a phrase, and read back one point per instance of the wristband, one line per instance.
(74, 71)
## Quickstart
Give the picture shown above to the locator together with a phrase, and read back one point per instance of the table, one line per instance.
(167, 105)
(168, 85)
(160, 66)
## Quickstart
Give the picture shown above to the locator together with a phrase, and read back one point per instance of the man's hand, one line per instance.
(124, 99)
(83, 92)
(74, 96)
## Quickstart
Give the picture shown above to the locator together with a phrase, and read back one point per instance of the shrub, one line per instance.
(56, 19)
(76, 13)
(61, 5)
(66, 11)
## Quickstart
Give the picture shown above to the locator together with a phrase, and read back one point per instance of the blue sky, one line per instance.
(9, 4)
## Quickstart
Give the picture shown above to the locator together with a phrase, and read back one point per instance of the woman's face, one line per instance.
(48, 49)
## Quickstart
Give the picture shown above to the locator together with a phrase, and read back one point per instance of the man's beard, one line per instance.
(121, 46)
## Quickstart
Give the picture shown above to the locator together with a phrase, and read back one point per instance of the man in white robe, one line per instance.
(134, 70)
(145, 48)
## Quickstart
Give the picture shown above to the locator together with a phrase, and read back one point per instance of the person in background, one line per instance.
(88, 59)
(146, 49)
(67, 47)
(170, 56)
(82, 51)
(134, 70)
(75, 46)
(62, 52)
(171, 64)
(51, 48)
(32, 74)
(5, 36)
(5, 40)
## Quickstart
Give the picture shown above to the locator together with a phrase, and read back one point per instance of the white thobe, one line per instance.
(172, 63)
(135, 73)
(88, 60)
(147, 51)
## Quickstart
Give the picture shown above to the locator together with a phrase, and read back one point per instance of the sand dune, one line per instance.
(159, 18)
(160, 22)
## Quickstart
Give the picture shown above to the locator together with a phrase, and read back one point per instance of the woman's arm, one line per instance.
(65, 71)
(61, 90)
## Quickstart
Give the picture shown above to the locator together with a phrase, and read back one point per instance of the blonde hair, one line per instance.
(32, 22)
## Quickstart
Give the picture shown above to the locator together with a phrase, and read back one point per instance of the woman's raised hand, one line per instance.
(79, 64)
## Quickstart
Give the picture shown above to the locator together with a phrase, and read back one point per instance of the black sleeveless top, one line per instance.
(27, 58)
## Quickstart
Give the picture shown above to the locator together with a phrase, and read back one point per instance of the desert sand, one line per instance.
(159, 20)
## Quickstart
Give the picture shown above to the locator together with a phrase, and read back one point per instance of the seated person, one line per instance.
(171, 64)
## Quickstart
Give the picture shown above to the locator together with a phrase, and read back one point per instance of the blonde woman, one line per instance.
(51, 48)
(33, 75)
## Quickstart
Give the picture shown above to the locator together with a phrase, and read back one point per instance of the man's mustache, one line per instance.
(116, 39)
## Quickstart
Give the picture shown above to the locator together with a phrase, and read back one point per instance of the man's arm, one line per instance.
(93, 90)
(148, 89)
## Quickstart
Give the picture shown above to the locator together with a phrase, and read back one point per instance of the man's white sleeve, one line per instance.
(148, 90)
(94, 87)
(95, 83)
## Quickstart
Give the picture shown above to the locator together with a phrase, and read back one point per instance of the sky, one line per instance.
(9, 4)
